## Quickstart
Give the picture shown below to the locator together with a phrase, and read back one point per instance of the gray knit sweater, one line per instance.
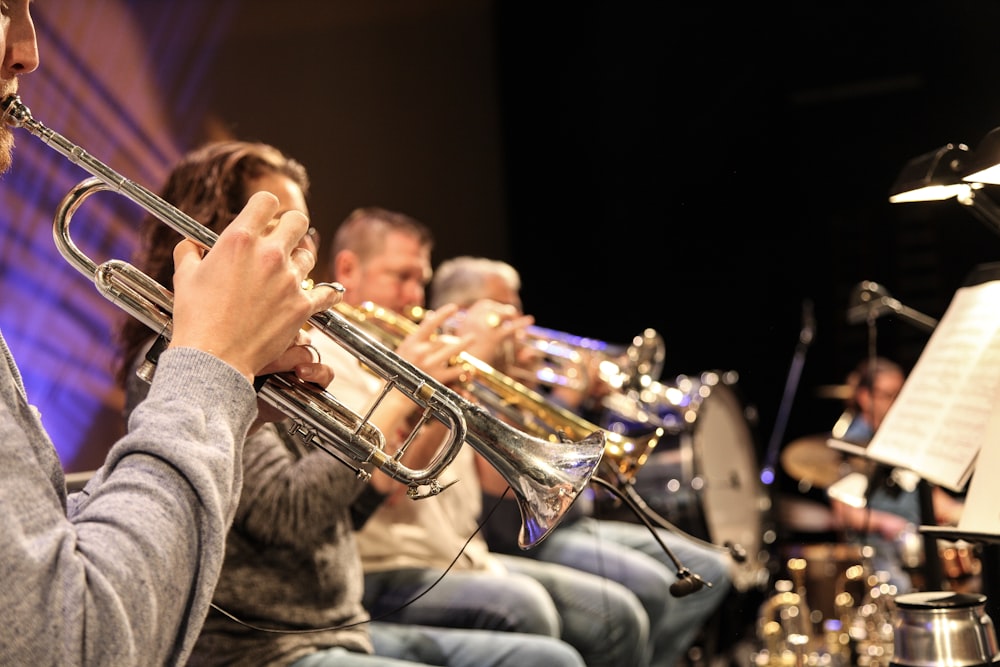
(291, 560)
(121, 573)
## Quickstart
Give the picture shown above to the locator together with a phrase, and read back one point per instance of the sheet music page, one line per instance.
(981, 510)
(941, 417)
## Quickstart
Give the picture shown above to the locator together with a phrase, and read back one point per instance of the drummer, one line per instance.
(888, 521)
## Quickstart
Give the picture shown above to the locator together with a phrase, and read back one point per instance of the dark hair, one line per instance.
(363, 231)
(211, 184)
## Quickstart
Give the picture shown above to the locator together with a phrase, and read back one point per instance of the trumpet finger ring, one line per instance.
(336, 287)
(315, 353)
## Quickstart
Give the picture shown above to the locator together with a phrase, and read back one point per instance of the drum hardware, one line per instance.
(852, 627)
(960, 565)
(871, 629)
(959, 561)
(784, 627)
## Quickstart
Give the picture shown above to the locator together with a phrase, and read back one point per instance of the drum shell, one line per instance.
(704, 477)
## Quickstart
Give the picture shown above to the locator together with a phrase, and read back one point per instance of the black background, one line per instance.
(711, 172)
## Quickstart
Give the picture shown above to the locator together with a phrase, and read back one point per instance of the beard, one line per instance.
(6, 132)
(6, 148)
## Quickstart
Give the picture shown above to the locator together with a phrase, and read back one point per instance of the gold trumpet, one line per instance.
(545, 480)
(507, 397)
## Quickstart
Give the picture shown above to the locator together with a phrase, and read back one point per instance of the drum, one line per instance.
(703, 476)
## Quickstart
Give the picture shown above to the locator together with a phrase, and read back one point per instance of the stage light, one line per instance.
(933, 176)
(983, 165)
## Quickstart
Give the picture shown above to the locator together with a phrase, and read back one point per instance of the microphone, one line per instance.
(868, 299)
(687, 583)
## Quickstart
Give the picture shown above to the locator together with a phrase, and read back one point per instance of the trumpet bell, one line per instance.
(545, 492)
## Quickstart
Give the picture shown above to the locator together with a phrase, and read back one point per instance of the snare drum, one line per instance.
(704, 477)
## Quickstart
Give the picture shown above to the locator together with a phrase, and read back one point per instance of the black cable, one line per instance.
(376, 618)
(687, 581)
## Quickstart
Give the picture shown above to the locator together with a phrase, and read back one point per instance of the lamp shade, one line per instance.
(983, 165)
(932, 176)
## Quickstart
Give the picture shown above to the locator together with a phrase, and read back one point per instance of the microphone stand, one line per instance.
(687, 581)
(794, 373)
(873, 301)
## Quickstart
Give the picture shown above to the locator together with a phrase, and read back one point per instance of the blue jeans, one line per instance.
(629, 554)
(399, 645)
(603, 620)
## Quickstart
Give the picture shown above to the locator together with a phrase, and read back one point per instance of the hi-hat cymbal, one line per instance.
(811, 461)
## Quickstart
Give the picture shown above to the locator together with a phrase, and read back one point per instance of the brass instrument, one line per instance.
(506, 396)
(545, 480)
(632, 372)
(622, 367)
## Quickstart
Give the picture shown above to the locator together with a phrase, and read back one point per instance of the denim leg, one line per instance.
(341, 657)
(462, 599)
(471, 648)
(601, 618)
(686, 615)
(629, 554)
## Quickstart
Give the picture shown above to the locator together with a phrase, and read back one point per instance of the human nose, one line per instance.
(21, 54)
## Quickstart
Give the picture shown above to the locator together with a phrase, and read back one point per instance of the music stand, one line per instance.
(979, 522)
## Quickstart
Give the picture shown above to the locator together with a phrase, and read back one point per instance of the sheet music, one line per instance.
(941, 417)
(980, 518)
(981, 510)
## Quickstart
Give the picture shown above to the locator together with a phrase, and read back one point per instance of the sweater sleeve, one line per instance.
(124, 575)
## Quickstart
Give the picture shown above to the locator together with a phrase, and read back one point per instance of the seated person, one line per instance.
(424, 560)
(290, 591)
(892, 510)
(624, 552)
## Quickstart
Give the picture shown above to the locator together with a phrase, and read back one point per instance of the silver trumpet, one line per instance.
(545, 480)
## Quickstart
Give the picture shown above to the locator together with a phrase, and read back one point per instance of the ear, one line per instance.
(346, 268)
(863, 397)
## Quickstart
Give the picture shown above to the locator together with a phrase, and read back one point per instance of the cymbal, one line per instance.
(811, 461)
(839, 391)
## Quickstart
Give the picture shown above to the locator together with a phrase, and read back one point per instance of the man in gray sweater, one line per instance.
(122, 573)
